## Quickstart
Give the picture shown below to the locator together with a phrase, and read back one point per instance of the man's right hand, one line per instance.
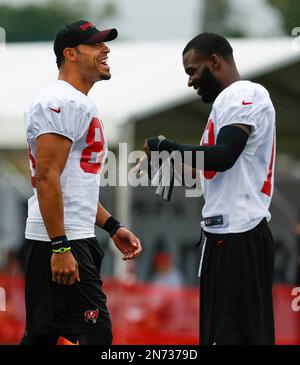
(64, 268)
(147, 148)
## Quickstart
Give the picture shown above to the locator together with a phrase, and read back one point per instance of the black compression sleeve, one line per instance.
(230, 143)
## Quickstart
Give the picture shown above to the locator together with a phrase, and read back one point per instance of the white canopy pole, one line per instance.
(123, 193)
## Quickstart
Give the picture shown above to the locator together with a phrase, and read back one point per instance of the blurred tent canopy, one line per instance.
(147, 79)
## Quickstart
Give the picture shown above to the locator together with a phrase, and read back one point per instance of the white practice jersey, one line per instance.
(242, 194)
(64, 110)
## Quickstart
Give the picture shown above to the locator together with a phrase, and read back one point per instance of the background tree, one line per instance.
(215, 13)
(290, 10)
(32, 22)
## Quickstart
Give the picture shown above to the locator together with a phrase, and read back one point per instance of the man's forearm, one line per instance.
(222, 156)
(51, 204)
(102, 215)
(106, 221)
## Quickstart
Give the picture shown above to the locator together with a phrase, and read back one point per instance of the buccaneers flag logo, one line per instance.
(91, 315)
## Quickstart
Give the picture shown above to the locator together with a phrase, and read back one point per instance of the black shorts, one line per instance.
(236, 305)
(53, 308)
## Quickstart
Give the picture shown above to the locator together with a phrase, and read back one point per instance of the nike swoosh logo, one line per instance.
(246, 103)
(55, 110)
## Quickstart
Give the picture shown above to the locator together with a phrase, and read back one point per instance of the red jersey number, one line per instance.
(93, 155)
(267, 187)
(208, 139)
(32, 167)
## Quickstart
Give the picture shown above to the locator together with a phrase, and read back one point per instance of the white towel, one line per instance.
(163, 178)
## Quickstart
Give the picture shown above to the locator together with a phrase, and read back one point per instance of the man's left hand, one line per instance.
(127, 243)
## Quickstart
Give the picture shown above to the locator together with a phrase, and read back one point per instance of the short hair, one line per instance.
(60, 60)
(210, 43)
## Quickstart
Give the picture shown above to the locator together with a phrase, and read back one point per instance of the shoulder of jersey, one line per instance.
(244, 93)
(58, 97)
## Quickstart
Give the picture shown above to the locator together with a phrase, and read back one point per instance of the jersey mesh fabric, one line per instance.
(79, 121)
(242, 194)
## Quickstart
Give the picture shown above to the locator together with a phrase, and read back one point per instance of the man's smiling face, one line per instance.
(92, 60)
(200, 76)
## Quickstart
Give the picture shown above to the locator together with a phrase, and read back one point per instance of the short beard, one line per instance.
(209, 86)
(105, 77)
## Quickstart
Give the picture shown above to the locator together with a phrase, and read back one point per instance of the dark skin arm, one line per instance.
(52, 151)
(147, 150)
